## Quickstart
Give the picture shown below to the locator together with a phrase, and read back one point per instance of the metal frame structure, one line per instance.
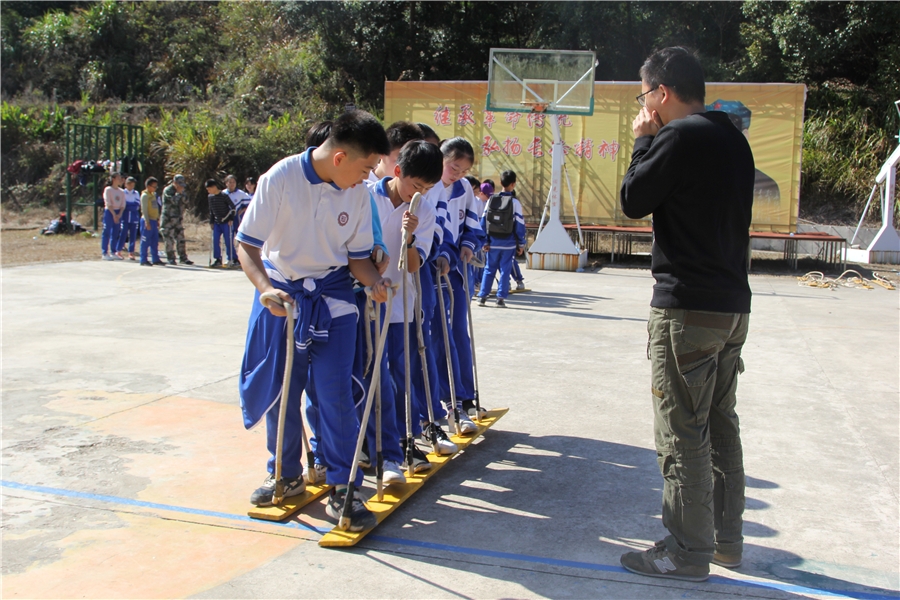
(553, 249)
(99, 143)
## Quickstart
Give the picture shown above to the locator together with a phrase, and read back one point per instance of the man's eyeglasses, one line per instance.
(643, 101)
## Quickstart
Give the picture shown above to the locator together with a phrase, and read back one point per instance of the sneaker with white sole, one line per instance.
(361, 518)
(659, 561)
(471, 409)
(444, 446)
(293, 486)
(466, 424)
(419, 459)
(520, 286)
(319, 472)
(393, 472)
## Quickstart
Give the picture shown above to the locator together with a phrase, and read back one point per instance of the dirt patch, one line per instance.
(21, 242)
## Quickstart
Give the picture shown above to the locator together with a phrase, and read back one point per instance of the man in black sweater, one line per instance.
(694, 171)
(221, 216)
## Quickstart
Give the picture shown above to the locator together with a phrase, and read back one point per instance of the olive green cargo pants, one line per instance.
(695, 361)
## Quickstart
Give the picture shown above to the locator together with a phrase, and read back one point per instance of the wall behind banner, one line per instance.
(598, 148)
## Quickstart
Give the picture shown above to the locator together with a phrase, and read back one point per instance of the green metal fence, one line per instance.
(121, 144)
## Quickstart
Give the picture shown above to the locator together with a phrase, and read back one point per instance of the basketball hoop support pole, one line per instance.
(553, 249)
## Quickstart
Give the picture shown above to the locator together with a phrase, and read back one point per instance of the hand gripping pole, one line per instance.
(440, 295)
(344, 522)
(278, 495)
(370, 350)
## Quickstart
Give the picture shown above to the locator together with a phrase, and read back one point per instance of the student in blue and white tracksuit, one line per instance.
(131, 219)
(316, 137)
(462, 234)
(308, 228)
(502, 249)
(239, 199)
(418, 169)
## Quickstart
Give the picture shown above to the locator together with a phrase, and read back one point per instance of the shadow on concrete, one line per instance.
(514, 505)
(547, 302)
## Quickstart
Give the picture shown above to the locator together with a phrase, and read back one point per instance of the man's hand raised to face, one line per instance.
(647, 122)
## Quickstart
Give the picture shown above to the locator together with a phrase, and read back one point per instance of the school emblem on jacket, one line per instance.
(343, 218)
(462, 214)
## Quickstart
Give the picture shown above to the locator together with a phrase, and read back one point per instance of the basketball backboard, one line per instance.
(551, 81)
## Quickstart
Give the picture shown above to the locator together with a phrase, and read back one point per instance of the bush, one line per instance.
(844, 145)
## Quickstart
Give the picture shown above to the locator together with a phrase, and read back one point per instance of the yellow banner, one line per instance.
(598, 148)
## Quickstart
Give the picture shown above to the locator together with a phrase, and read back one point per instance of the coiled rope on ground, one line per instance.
(849, 278)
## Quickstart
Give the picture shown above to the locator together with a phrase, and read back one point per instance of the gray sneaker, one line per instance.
(658, 561)
(361, 518)
(520, 286)
(293, 486)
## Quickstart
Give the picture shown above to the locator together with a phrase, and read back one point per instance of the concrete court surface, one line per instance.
(126, 470)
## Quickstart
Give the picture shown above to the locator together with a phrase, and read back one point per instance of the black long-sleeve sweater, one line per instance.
(696, 177)
(221, 210)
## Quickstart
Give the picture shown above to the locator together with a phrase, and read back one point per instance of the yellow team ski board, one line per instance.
(290, 505)
(397, 494)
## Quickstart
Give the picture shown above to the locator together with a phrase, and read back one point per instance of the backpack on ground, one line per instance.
(500, 218)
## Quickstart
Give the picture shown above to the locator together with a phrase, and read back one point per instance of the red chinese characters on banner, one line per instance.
(442, 116)
(466, 115)
(608, 149)
(489, 146)
(489, 119)
(535, 119)
(563, 120)
(535, 148)
(512, 147)
(585, 148)
(513, 118)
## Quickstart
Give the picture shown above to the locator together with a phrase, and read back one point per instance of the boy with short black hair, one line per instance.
(504, 226)
(398, 134)
(221, 215)
(418, 169)
(306, 230)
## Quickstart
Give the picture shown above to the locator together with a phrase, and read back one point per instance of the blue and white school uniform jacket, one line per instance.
(132, 207)
(239, 198)
(391, 226)
(307, 230)
(462, 227)
(513, 240)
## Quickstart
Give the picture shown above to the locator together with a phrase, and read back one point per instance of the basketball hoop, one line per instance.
(536, 107)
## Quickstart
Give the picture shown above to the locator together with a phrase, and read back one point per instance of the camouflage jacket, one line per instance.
(171, 205)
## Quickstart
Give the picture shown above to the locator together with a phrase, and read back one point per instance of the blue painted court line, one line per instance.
(772, 585)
